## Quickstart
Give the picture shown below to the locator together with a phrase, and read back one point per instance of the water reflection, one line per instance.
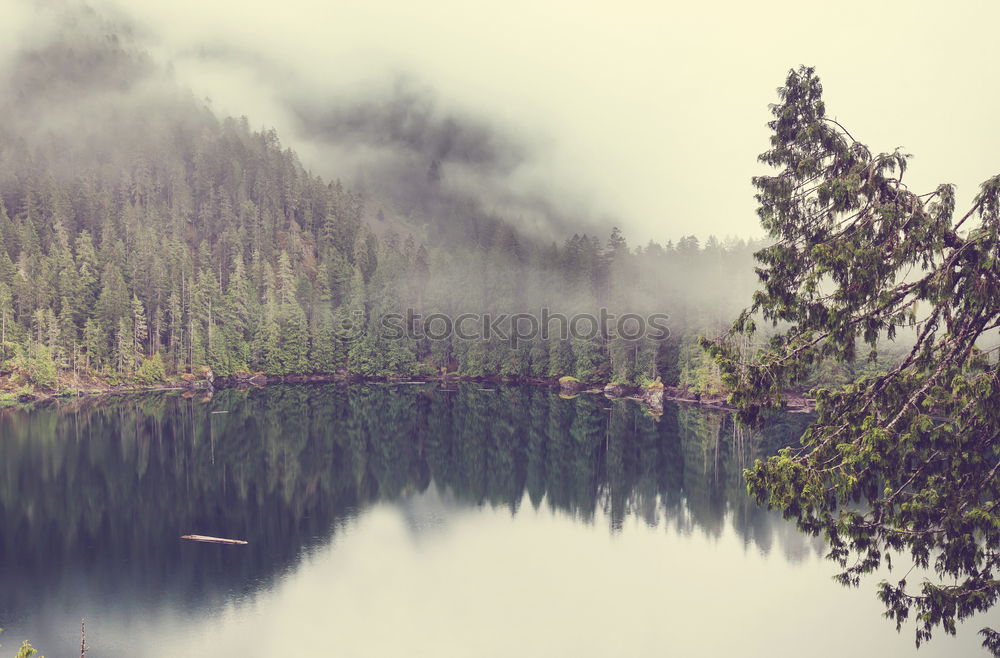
(93, 496)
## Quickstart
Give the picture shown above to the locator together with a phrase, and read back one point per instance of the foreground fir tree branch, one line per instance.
(906, 462)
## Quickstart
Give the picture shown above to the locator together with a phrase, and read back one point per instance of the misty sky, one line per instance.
(647, 114)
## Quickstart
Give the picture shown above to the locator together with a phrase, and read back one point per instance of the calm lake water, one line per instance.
(412, 521)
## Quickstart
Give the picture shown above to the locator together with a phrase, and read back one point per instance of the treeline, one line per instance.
(142, 237)
(221, 250)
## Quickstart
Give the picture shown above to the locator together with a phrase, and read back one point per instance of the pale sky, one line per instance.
(652, 113)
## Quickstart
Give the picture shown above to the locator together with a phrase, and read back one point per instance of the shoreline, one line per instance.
(651, 397)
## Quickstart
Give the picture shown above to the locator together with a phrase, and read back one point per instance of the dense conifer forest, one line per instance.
(156, 239)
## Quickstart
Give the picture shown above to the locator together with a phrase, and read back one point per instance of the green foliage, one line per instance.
(199, 239)
(903, 461)
(326, 353)
(377, 356)
(474, 358)
(623, 361)
(517, 363)
(34, 364)
(538, 357)
(292, 350)
(588, 360)
(151, 370)
(26, 650)
(560, 359)
(699, 372)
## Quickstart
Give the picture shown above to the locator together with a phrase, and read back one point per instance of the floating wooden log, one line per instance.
(214, 540)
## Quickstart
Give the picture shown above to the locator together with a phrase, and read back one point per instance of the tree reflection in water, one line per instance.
(96, 493)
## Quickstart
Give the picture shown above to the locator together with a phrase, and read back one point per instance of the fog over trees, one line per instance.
(147, 239)
(143, 236)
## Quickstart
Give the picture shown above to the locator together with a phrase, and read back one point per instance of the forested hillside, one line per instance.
(153, 238)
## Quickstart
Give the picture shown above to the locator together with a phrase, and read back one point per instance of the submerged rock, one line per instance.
(256, 379)
(244, 378)
(675, 393)
(571, 385)
(652, 396)
(202, 381)
(618, 390)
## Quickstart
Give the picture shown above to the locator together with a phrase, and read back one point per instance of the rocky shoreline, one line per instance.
(651, 396)
(654, 395)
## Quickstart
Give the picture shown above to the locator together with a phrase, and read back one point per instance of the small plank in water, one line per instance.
(214, 540)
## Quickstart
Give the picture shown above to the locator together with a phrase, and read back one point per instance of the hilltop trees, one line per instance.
(224, 252)
(169, 234)
(903, 464)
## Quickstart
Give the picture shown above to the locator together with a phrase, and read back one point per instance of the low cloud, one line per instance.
(93, 85)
